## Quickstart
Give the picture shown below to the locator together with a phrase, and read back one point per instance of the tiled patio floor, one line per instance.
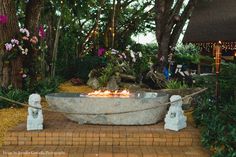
(62, 137)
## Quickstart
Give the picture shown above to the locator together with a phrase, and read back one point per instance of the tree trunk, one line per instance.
(9, 69)
(170, 21)
(32, 10)
(55, 47)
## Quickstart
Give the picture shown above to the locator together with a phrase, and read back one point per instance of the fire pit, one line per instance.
(110, 108)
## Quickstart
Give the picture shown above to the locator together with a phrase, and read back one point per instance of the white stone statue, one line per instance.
(35, 115)
(175, 119)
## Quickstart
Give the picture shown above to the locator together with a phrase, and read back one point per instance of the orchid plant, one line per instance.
(126, 59)
(22, 44)
(118, 61)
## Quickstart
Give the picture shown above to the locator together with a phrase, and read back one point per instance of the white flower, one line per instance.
(134, 59)
(140, 54)
(22, 30)
(132, 54)
(24, 76)
(21, 48)
(113, 51)
(25, 51)
(120, 56)
(123, 54)
(27, 32)
(128, 47)
(162, 58)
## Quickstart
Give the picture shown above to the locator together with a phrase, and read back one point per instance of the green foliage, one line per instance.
(46, 86)
(218, 120)
(218, 126)
(86, 64)
(42, 87)
(107, 73)
(207, 59)
(148, 57)
(135, 60)
(187, 54)
(80, 67)
(227, 80)
(174, 84)
(13, 94)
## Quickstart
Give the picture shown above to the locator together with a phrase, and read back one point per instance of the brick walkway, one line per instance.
(62, 137)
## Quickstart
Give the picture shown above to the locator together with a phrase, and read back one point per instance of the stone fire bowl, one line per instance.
(134, 108)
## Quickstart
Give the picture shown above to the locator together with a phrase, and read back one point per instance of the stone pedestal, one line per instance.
(175, 119)
(35, 115)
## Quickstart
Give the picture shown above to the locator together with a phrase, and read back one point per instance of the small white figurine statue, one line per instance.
(35, 115)
(175, 119)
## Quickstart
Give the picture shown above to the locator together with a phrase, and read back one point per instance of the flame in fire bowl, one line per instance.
(115, 109)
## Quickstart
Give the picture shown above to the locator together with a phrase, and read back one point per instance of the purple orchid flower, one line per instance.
(101, 51)
(15, 41)
(3, 19)
(8, 46)
(42, 33)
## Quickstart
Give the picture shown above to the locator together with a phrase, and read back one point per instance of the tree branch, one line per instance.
(176, 9)
(179, 26)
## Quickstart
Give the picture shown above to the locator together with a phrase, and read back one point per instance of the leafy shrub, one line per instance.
(186, 54)
(227, 80)
(218, 120)
(46, 86)
(218, 126)
(13, 94)
(80, 67)
(107, 73)
(174, 84)
(84, 65)
(148, 57)
(42, 87)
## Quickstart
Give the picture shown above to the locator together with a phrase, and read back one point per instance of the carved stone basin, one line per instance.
(130, 110)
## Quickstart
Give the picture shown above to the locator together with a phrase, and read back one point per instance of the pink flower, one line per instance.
(25, 38)
(3, 19)
(34, 40)
(42, 33)
(8, 46)
(101, 51)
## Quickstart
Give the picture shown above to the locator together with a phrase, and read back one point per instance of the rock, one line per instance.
(93, 83)
(175, 119)
(76, 81)
(131, 86)
(112, 84)
(35, 115)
